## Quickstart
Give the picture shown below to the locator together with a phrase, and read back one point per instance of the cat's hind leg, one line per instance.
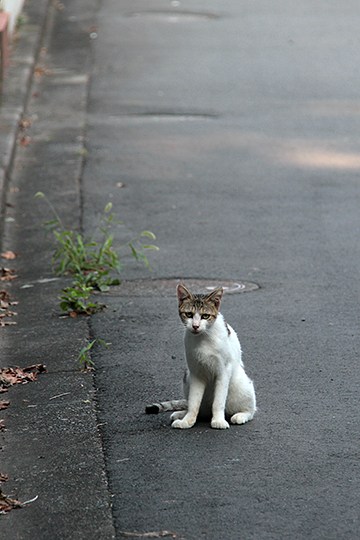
(242, 417)
(241, 405)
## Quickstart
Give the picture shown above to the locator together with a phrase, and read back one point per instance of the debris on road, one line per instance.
(5, 311)
(16, 375)
(152, 534)
(7, 503)
(8, 255)
(4, 405)
(7, 274)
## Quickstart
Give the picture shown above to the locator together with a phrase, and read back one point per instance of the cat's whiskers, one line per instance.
(176, 329)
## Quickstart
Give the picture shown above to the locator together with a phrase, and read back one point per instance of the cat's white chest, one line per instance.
(213, 351)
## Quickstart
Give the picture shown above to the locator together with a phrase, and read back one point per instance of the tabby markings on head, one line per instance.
(203, 304)
(198, 303)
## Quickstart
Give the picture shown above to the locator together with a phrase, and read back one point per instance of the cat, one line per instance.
(215, 383)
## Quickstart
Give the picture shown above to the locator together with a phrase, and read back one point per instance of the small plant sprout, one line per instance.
(92, 262)
(84, 359)
(137, 247)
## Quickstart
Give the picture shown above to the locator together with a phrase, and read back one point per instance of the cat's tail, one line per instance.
(165, 406)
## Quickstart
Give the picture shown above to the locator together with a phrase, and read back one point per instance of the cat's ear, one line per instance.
(215, 297)
(182, 293)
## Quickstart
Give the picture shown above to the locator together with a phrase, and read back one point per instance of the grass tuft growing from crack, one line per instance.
(92, 262)
(84, 359)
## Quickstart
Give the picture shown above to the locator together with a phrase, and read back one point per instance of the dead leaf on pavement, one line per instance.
(7, 313)
(25, 140)
(16, 375)
(25, 123)
(2, 425)
(40, 368)
(9, 255)
(5, 304)
(4, 405)
(7, 323)
(7, 274)
(4, 296)
(40, 71)
(5, 300)
(3, 477)
(7, 504)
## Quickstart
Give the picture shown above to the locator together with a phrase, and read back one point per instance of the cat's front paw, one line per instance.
(219, 423)
(182, 424)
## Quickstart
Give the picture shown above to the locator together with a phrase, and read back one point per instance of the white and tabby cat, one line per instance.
(215, 383)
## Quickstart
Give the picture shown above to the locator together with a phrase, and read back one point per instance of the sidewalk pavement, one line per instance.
(50, 448)
(14, 95)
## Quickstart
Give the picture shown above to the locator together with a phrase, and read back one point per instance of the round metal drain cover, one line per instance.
(167, 287)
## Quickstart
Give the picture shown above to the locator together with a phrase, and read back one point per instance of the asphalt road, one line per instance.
(234, 127)
(231, 130)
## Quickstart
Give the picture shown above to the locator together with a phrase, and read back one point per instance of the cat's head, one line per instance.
(198, 312)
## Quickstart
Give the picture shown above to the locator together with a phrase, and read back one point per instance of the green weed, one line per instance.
(93, 262)
(84, 359)
(21, 20)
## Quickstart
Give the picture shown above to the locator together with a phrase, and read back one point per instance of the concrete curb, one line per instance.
(52, 448)
(23, 57)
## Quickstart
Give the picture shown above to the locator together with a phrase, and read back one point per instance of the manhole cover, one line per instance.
(167, 287)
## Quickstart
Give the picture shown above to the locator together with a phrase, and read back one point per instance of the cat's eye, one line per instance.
(205, 316)
(189, 314)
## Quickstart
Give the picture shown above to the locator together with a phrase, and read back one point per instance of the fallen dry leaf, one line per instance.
(9, 255)
(6, 305)
(4, 296)
(3, 477)
(7, 313)
(7, 323)
(7, 504)
(15, 375)
(40, 368)
(2, 425)
(4, 405)
(40, 71)
(25, 123)
(59, 6)
(25, 140)
(7, 274)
